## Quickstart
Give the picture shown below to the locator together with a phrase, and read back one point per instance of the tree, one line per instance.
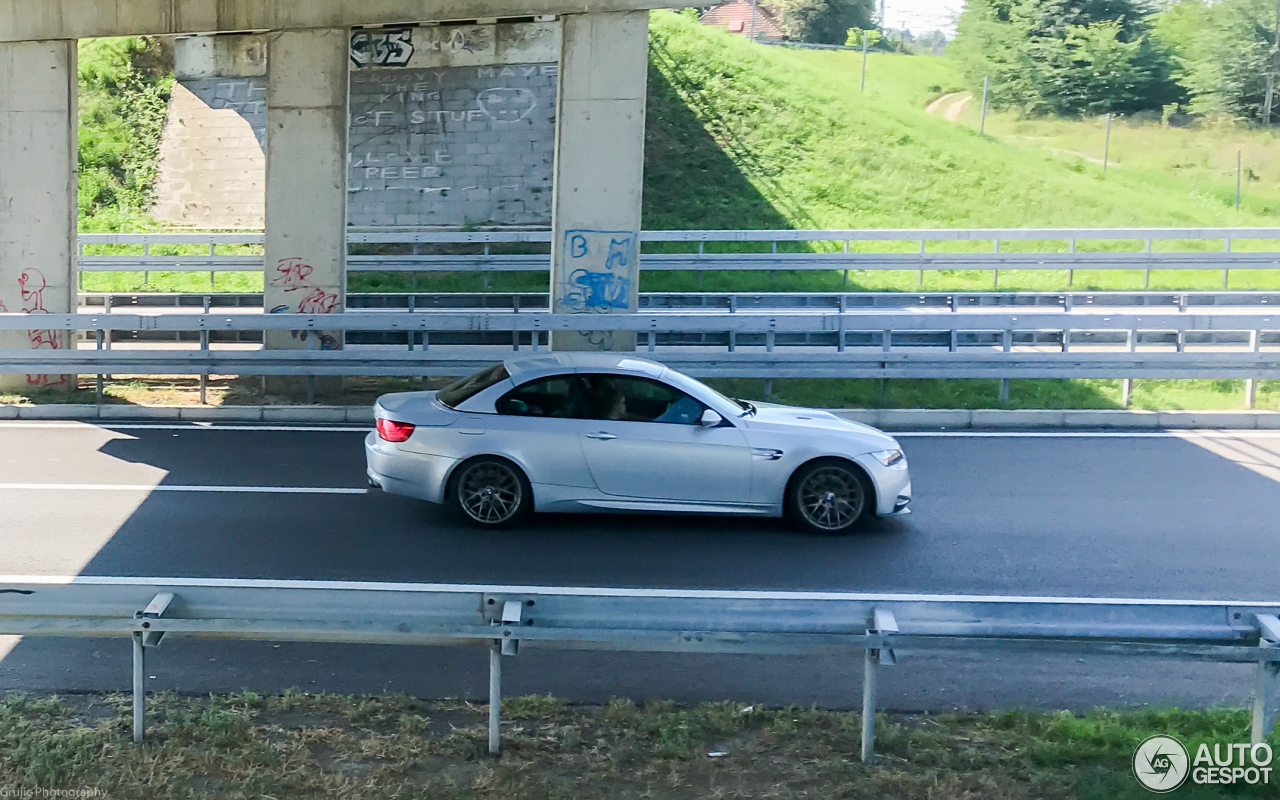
(823, 21)
(1065, 57)
(1227, 55)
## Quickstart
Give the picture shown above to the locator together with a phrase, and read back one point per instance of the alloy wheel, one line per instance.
(490, 493)
(831, 498)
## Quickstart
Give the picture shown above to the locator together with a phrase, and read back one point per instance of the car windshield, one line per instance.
(458, 391)
(747, 408)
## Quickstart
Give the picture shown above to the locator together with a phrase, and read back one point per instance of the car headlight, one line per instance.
(889, 457)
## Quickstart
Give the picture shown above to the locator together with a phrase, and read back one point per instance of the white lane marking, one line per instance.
(109, 487)
(186, 426)
(1179, 433)
(7, 581)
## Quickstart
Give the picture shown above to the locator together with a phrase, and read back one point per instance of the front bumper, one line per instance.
(397, 471)
(893, 486)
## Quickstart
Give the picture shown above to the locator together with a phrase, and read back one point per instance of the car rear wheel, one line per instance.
(829, 496)
(491, 493)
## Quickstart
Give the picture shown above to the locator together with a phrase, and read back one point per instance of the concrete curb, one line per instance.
(958, 419)
(895, 419)
(361, 415)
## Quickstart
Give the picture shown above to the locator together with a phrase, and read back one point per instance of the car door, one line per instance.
(540, 424)
(644, 440)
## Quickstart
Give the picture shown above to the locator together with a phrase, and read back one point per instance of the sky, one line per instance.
(921, 16)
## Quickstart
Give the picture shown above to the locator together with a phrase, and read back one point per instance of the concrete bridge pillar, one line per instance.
(595, 250)
(38, 93)
(306, 206)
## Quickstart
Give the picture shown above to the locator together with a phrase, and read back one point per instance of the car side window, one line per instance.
(628, 399)
(548, 397)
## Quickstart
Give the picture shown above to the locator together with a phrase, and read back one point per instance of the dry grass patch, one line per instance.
(312, 746)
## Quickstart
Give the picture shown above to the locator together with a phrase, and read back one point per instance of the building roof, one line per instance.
(736, 18)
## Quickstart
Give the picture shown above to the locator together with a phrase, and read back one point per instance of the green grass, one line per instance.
(298, 746)
(1088, 393)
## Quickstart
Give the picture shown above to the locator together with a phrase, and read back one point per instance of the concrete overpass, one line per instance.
(312, 54)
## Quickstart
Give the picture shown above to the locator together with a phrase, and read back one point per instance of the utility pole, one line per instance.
(1271, 70)
(1239, 169)
(982, 121)
(865, 35)
(1106, 147)
(753, 20)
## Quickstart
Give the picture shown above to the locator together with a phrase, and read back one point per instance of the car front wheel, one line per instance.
(829, 496)
(491, 493)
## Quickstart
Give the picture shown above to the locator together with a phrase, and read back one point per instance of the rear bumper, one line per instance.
(409, 474)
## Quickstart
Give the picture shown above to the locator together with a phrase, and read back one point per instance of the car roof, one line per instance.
(520, 368)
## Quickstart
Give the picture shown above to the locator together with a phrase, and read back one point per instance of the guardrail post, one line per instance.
(1265, 677)
(495, 698)
(868, 705)
(141, 641)
(882, 622)
(1006, 342)
(1226, 270)
(98, 337)
(139, 689)
(1251, 384)
(508, 616)
(204, 347)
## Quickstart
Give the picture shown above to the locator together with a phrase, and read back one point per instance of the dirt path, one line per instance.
(950, 106)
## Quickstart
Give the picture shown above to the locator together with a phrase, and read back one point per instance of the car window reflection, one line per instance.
(627, 399)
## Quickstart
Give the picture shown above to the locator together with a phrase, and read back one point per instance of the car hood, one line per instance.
(794, 419)
(419, 408)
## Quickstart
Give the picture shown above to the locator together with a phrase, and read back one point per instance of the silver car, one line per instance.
(609, 432)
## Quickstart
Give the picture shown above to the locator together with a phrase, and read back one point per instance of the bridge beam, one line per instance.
(38, 94)
(31, 20)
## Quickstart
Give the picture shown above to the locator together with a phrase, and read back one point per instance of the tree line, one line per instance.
(1087, 57)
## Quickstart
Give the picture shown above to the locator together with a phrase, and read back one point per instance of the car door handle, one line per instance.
(603, 436)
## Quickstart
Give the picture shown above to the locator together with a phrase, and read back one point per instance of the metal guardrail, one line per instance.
(1030, 343)
(505, 619)
(847, 259)
(723, 301)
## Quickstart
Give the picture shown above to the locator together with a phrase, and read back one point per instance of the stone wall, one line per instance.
(212, 165)
(450, 126)
(453, 126)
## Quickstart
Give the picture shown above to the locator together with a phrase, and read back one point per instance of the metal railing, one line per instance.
(505, 619)
(719, 301)
(987, 343)
(1066, 256)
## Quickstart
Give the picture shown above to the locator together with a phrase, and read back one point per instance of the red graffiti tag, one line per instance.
(318, 302)
(32, 284)
(292, 274)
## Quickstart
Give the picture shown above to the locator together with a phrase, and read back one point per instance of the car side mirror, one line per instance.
(710, 419)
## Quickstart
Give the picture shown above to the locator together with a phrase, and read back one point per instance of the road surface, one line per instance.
(1105, 515)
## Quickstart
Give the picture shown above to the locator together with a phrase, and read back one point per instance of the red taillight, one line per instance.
(394, 431)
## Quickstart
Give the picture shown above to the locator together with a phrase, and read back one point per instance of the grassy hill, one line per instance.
(821, 154)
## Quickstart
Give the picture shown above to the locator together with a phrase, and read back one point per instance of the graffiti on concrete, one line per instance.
(293, 275)
(598, 267)
(31, 286)
(382, 48)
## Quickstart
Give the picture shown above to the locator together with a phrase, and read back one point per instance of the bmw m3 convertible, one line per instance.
(608, 432)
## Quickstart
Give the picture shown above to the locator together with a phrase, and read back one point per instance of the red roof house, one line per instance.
(736, 18)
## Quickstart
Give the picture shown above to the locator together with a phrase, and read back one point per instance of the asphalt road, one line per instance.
(1106, 515)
